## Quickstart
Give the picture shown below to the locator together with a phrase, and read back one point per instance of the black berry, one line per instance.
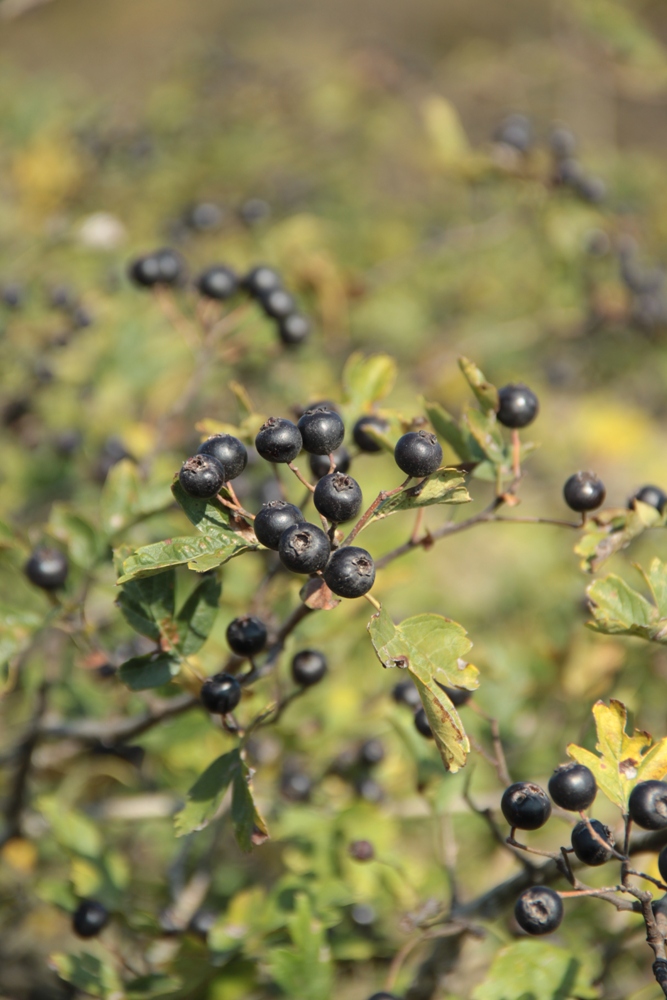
(584, 491)
(308, 667)
(218, 282)
(525, 805)
(652, 495)
(539, 910)
(201, 476)
(573, 787)
(322, 430)
(369, 789)
(47, 568)
(294, 329)
(261, 280)
(296, 785)
(518, 406)
(246, 635)
(515, 131)
(229, 451)
(320, 464)
(383, 996)
(220, 694)
(254, 210)
(457, 696)
(563, 142)
(362, 850)
(279, 440)
(304, 548)
(278, 304)
(422, 725)
(418, 454)
(350, 572)
(171, 266)
(275, 517)
(145, 271)
(362, 438)
(204, 216)
(406, 693)
(648, 805)
(588, 848)
(89, 918)
(662, 864)
(371, 753)
(12, 296)
(337, 497)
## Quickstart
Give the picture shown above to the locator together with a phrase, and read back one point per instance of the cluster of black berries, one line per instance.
(356, 764)
(406, 693)
(208, 216)
(526, 806)
(646, 285)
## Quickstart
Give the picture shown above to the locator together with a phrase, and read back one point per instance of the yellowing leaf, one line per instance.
(445, 130)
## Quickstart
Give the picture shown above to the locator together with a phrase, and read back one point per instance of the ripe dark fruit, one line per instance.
(246, 635)
(518, 406)
(652, 495)
(539, 910)
(422, 725)
(261, 280)
(304, 548)
(220, 694)
(322, 430)
(308, 667)
(337, 497)
(573, 787)
(47, 568)
(201, 476)
(204, 216)
(279, 440)
(662, 864)
(89, 918)
(145, 271)
(218, 282)
(229, 451)
(296, 786)
(515, 131)
(383, 996)
(406, 693)
(457, 696)
(275, 517)
(588, 848)
(418, 454)
(294, 329)
(278, 304)
(350, 572)
(320, 464)
(648, 805)
(371, 753)
(363, 439)
(525, 805)
(584, 491)
(171, 266)
(361, 850)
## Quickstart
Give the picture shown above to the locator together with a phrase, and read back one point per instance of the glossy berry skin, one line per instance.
(587, 848)
(525, 806)
(246, 635)
(457, 696)
(320, 464)
(279, 440)
(648, 805)
(539, 910)
(422, 725)
(145, 271)
(573, 787)
(362, 850)
(229, 451)
(406, 693)
(278, 304)
(220, 694)
(201, 476)
(89, 918)
(261, 280)
(584, 491)
(218, 282)
(322, 430)
(337, 497)
(275, 517)
(309, 667)
(47, 568)
(304, 548)
(662, 864)
(418, 454)
(350, 572)
(518, 406)
(362, 439)
(652, 495)
(294, 329)
(171, 266)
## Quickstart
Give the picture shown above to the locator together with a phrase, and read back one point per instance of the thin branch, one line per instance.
(13, 811)
(117, 730)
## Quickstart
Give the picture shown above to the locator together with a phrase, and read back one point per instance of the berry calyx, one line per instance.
(220, 694)
(320, 464)
(218, 282)
(309, 666)
(304, 548)
(350, 572)
(89, 918)
(246, 635)
(229, 451)
(422, 725)
(362, 850)
(261, 280)
(518, 406)
(337, 497)
(588, 848)
(406, 693)
(525, 805)
(363, 439)
(584, 491)
(322, 430)
(278, 304)
(273, 519)
(47, 568)
(201, 476)
(648, 805)
(279, 440)
(294, 329)
(418, 454)
(539, 910)
(652, 495)
(573, 787)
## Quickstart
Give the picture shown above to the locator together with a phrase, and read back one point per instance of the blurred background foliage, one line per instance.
(350, 145)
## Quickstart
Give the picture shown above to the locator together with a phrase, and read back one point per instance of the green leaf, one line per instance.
(90, 974)
(17, 628)
(126, 499)
(304, 970)
(485, 393)
(199, 553)
(624, 760)
(85, 545)
(619, 610)
(487, 436)
(457, 436)
(656, 578)
(152, 987)
(148, 605)
(537, 970)
(612, 530)
(444, 486)
(431, 648)
(368, 379)
(206, 795)
(149, 671)
(249, 826)
(196, 618)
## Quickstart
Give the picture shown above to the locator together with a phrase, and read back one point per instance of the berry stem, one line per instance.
(167, 306)
(371, 600)
(309, 486)
(516, 454)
